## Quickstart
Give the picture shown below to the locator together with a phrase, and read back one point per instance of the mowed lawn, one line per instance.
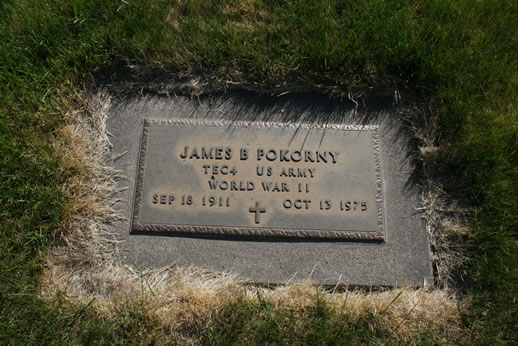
(458, 58)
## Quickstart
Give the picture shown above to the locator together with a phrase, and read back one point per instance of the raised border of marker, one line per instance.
(281, 180)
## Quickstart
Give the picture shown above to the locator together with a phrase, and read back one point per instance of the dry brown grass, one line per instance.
(445, 218)
(446, 236)
(84, 266)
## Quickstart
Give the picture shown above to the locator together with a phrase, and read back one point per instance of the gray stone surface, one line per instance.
(402, 259)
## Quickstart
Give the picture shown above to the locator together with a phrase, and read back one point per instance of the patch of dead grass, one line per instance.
(445, 218)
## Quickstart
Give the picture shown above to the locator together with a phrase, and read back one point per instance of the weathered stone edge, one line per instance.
(256, 124)
(139, 180)
(253, 232)
(379, 183)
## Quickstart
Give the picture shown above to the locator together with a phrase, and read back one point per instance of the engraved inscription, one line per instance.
(259, 180)
(257, 210)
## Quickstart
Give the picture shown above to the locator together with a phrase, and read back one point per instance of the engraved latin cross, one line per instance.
(257, 210)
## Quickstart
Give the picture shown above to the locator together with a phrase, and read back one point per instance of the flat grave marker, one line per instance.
(256, 179)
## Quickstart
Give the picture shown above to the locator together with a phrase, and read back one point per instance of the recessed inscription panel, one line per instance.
(259, 180)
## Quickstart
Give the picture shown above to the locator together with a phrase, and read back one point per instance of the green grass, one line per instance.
(461, 56)
(248, 323)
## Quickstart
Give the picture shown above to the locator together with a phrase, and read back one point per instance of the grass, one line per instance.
(261, 322)
(459, 56)
(246, 323)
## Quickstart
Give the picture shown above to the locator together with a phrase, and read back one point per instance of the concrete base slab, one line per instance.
(402, 259)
